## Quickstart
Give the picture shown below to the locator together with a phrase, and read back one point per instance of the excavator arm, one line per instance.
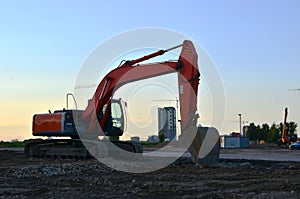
(188, 79)
(284, 135)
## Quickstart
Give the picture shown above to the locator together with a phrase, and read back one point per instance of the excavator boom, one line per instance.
(284, 135)
(188, 79)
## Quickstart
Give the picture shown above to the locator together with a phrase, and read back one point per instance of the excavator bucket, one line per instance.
(195, 147)
(205, 147)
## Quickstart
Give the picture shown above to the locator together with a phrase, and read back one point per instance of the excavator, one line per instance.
(285, 140)
(100, 118)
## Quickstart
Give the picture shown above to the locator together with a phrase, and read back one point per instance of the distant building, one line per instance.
(235, 134)
(152, 138)
(167, 122)
(228, 141)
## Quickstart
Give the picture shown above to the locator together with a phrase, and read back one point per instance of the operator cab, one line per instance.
(114, 125)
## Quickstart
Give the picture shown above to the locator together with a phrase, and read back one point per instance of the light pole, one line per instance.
(240, 116)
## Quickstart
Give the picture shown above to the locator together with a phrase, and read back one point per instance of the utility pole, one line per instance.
(240, 116)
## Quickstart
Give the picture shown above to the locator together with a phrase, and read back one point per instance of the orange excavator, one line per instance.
(104, 116)
(284, 140)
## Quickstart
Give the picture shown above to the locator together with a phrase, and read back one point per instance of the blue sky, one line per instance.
(255, 45)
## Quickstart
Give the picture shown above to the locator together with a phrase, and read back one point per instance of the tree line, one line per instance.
(271, 133)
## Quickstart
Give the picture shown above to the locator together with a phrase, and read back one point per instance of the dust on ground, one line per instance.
(22, 177)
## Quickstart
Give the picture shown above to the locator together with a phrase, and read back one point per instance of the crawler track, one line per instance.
(74, 148)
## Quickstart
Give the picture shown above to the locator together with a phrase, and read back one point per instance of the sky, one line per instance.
(255, 46)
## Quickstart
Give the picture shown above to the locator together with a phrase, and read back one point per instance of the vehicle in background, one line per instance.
(296, 145)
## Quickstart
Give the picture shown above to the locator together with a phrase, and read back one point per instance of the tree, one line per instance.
(274, 133)
(161, 136)
(258, 133)
(252, 132)
(264, 131)
(291, 130)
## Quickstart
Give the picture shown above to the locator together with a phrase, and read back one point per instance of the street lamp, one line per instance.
(240, 116)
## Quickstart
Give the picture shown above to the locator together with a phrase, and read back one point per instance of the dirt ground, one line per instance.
(22, 177)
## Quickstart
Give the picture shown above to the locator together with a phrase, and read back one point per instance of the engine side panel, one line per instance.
(43, 123)
(54, 124)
